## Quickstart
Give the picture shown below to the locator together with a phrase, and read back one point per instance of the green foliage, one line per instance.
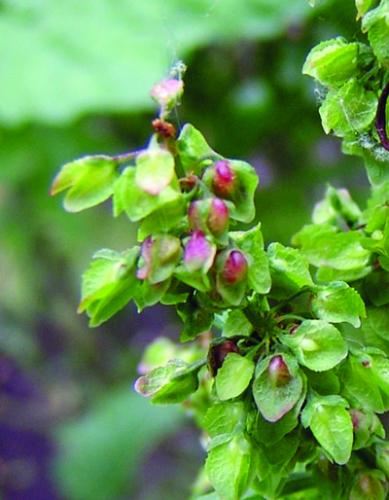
(279, 371)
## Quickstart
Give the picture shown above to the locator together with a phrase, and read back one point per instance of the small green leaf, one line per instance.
(375, 23)
(318, 345)
(338, 302)
(162, 220)
(234, 376)
(359, 386)
(168, 384)
(225, 418)
(332, 62)
(275, 400)
(236, 323)
(331, 425)
(154, 170)
(270, 433)
(251, 242)
(108, 284)
(349, 110)
(363, 6)
(196, 320)
(323, 245)
(193, 150)
(89, 181)
(228, 467)
(289, 268)
(137, 204)
(337, 204)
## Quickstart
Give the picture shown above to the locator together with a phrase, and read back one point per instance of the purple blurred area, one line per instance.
(26, 450)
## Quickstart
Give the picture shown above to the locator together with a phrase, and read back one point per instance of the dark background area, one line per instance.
(74, 80)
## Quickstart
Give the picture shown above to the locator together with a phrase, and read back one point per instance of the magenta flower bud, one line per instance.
(218, 216)
(145, 253)
(235, 267)
(278, 371)
(167, 92)
(224, 179)
(199, 252)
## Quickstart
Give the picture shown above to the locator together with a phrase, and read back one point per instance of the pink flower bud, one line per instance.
(145, 253)
(167, 92)
(224, 179)
(199, 252)
(278, 371)
(218, 216)
(211, 214)
(235, 267)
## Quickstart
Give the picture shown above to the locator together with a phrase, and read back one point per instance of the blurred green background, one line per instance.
(74, 80)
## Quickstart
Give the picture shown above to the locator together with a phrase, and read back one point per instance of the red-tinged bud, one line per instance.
(217, 354)
(209, 214)
(145, 253)
(369, 486)
(218, 216)
(199, 253)
(167, 92)
(194, 215)
(278, 371)
(235, 267)
(356, 417)
(224, 179)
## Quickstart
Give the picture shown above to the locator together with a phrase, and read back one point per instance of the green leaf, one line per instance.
(225, 418)
(337, 204)
(251, 242)
(154, 170)
(332, 62)
(318, 345)
(326, 274)
(358, 385)
(234, 376)
(228, 467)
(322, 245)
(168, 384)
(275, 400)
(324, 383)
(349, 110)
(108, 284)
(89, 181)
(162, 220)
(137, 203)
(289, 268)
(196, 320)
(377, 322)
(363, 6)
(193, 150)
(270, 433)
(331, 425)
(375, 23)
(236, 323)
(366, 426)
(338, 302)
